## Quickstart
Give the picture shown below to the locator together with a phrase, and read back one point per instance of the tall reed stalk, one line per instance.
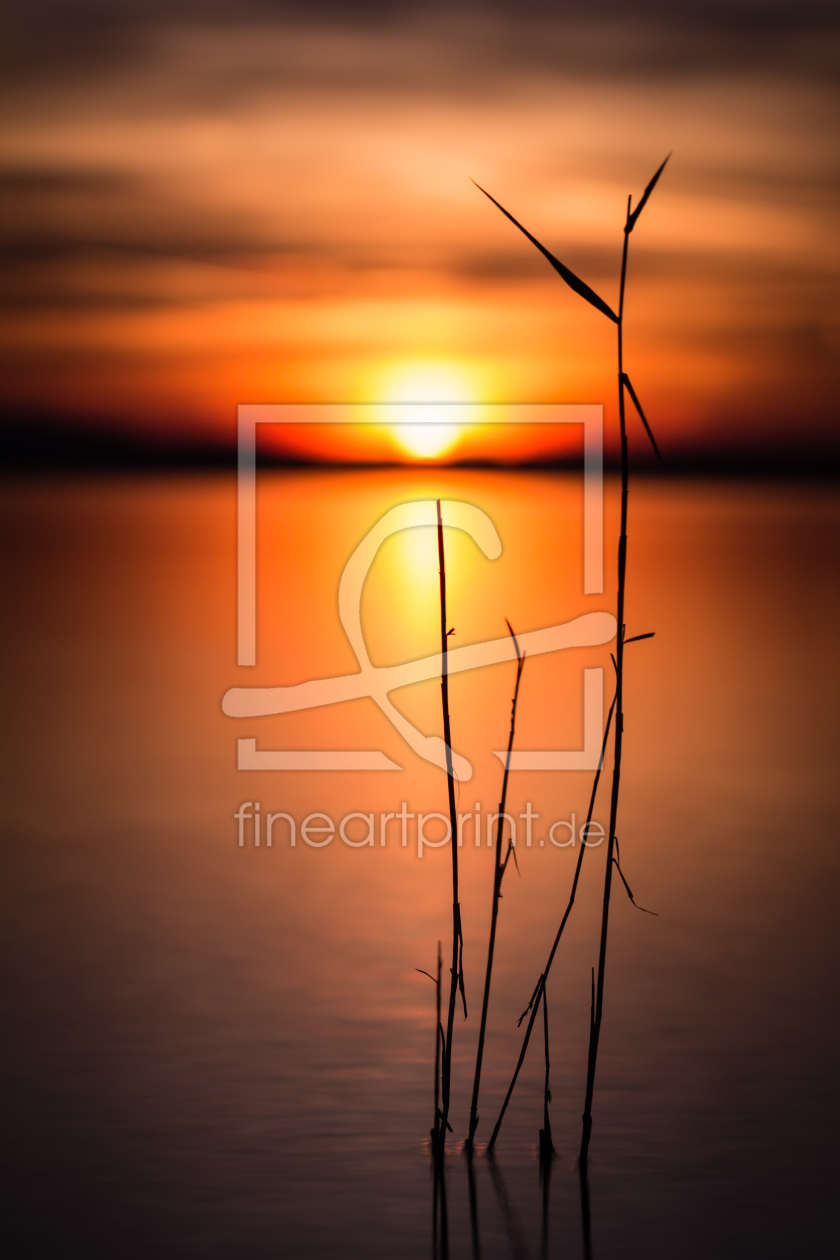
(624, 385)
(498, 875)
(457, 979)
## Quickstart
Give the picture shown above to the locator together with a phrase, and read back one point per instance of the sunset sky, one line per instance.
(209, 203)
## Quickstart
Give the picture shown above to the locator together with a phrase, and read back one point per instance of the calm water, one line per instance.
(216, 1051)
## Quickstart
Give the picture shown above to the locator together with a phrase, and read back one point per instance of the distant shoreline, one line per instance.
(50, 446)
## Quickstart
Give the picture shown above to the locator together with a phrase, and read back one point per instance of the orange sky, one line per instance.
(209, 210)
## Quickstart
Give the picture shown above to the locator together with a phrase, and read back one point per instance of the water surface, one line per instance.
(215, 1051)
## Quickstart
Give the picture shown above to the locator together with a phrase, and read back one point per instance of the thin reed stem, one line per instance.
(457, 935)
(534, 1004)
(436, 1125)
(498, 875)
(623, 384)
(438, 1031)
(546, 1144)
(595, 1027)
(434, 1131)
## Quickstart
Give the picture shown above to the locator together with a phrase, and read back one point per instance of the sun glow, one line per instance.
(437, 386)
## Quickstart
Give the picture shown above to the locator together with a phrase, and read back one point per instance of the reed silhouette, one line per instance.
(624, 388)
(534, 1004)
(546, 1144)
(457, 970)
(498, 875)
(438, 1039)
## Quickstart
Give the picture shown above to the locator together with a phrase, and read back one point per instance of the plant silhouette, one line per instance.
(625, 389)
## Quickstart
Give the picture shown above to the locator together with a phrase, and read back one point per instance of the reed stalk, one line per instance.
(618, 744)
(546, 1145)
(534, 1004)
(583, 1169)
(624, 385)
(433, 1133)
(457, 979)
(498, 875)
(438, 1040)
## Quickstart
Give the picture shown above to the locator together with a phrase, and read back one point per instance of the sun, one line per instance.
(429, 389)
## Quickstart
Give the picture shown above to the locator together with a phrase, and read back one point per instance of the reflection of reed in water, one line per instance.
(440, 1219)
(474, 1230)
(546, 1166)
(547, 1152)
(586, 1222)
(510, 1216)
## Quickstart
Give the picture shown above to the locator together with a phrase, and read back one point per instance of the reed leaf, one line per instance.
(626, 381)
(631, 218)
(617, 860)
(573, 281)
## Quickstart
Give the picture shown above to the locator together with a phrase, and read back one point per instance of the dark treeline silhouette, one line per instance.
(72, 445)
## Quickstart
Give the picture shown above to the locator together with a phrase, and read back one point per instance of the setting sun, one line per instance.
(440, 385)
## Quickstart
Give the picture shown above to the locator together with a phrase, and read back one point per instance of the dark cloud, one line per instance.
(73, 39)
(23, 181)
